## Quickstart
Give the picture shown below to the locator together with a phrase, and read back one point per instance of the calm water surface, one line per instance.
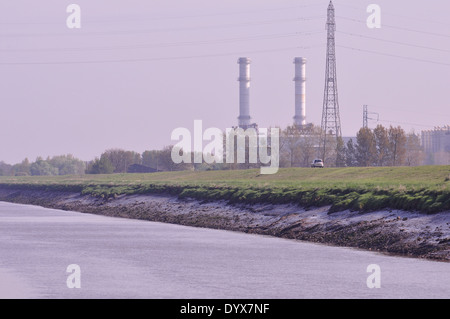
(122, 258)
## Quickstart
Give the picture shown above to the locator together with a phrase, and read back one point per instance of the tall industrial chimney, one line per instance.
(244, 92)
(300, 92)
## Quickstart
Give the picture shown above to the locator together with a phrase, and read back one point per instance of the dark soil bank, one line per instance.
(391, 231)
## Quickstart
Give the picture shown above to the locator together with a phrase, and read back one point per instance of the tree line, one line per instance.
(384, 147)
(109, 162)
(56, 165)
(119, 161)
(381, 146)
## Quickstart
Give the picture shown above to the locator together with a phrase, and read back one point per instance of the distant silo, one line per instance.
(300, 92)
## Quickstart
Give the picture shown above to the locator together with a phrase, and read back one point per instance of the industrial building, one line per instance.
(244, 118)
(330, 118)
(436, 145)
(302, 131)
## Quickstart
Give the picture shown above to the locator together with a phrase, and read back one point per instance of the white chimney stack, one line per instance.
(244, 92)
(300, 91)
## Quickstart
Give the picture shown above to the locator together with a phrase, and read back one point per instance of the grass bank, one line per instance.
(425, 189)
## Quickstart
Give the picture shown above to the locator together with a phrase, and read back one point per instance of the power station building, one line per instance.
(300, 92)
(244, 94)
(245, 119)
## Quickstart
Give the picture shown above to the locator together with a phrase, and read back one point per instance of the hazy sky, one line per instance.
(138, 69)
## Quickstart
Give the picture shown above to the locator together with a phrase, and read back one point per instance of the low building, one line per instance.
(137, 168)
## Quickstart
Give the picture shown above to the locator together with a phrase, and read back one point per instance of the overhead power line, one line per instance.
(398, 28)
(394, 55)
(116, 20)
(140, 31)
(394, 42)
(362, 9)
(163, 45)
(208, 15)
(160, 59)
(409, 110)
(406, 123)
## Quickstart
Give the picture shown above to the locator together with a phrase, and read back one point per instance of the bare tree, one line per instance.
(397, 145)
(290, 145)
(121, 159)
(415, 154)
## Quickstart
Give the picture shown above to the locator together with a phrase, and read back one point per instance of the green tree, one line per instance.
(5, 169)
(22, 169)
(68, 165)
(100, 165)
(340, 153)
(366, 151)
(41, 167)
(350, 154)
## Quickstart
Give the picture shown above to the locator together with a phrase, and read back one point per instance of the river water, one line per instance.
(121, 258)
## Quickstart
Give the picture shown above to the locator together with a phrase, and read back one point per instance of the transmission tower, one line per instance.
(331, 122)
(366, 117)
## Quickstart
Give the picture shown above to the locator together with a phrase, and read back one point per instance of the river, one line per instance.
(122, 258)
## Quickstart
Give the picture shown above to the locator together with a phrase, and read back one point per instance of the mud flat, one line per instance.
(389, 231)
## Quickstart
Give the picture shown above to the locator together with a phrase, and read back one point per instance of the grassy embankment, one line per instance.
(425, 189)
